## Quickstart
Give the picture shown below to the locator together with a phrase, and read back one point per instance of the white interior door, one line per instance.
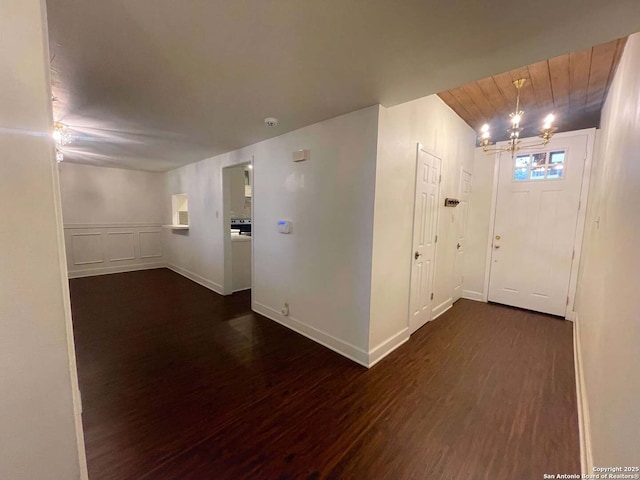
(462, 213)
(425, 223)
(535, 225)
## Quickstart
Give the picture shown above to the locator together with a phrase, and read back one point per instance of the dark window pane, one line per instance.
(539, 158)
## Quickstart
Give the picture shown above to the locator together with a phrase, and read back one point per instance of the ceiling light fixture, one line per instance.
(271, 122)
(515, 144)
(62, 137)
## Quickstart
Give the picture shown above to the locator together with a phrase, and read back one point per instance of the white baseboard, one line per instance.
(241, 289)
(471, 295)
(389, 345)
(91, 272)
(586, 454)
(443, 307)
(339, 346)
(216, 287)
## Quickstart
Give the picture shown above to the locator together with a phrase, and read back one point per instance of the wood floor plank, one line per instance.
(178, 382)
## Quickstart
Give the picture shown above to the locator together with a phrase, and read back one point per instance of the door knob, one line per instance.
(458, 246)
(417, 255)
(496, 246)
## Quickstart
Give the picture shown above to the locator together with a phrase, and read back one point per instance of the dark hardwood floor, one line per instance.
(180, 383)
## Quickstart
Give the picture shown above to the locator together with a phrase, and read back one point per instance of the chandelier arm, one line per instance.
(496, 150)
(533, 145)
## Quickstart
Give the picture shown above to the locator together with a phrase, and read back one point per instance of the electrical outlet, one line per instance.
(285, 309)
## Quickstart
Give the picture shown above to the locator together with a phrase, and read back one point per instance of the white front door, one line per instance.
(535, 225)
(425, 223)
(461, 215)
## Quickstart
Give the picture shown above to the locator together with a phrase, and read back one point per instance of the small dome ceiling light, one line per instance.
(271, 122)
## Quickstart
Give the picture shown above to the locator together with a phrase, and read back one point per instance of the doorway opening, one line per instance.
(237, 193)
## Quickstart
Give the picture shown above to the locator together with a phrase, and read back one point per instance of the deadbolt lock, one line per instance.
(498, 237)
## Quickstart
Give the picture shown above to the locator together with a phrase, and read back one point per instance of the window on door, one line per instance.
(539, 166)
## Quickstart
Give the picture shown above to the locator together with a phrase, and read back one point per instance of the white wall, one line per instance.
(102, 195)
(322, 269)
(430, 122)
(478, 225)
(607, 300)
(112, 219)
(40, 426)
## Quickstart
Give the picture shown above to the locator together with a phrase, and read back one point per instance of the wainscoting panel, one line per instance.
(87, 248)
(98, 249)
(151, 244)
(121, 246)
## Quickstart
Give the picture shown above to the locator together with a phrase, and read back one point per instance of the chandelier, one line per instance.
(515, 144)
(62, 137)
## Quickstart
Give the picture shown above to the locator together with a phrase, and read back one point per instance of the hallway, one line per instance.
(179, 382)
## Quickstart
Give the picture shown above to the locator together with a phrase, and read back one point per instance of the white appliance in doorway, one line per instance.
(536, 221)
(425, 224)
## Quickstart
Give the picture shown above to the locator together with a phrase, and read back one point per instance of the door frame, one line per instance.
(420, 147)
(227, 283)
(582, 213)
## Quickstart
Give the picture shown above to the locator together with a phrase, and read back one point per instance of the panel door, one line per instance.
(535, 225)
(425, 224)
(461, 216)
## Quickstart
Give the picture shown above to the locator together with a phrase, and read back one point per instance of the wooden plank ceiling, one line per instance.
(572, 86)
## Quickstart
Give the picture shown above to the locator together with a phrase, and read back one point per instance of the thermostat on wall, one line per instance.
(451, 202)
(284, 226)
